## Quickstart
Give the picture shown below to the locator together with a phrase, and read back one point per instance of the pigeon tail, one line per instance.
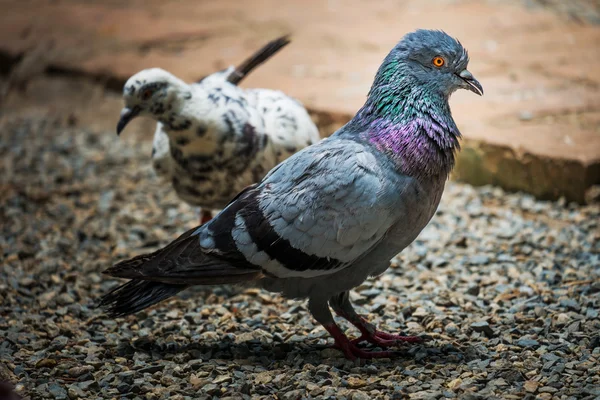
(136, 295)
(157, 276)
(262, 55)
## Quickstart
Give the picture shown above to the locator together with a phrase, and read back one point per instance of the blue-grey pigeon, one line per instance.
(214, 138)
(335, 213)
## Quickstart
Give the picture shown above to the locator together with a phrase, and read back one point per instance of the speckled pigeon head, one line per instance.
(430, 59)
(150, 92)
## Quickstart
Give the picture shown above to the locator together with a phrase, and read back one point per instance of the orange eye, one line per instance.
(146, 94)
(438, 61)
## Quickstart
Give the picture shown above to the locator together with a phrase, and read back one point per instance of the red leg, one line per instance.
(351, 351)
(342, 306)
(205, 216)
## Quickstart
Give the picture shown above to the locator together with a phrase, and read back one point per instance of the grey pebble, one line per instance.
(57, 391)
(359, 395)
(479, 259)
(483, 327)
(75, 392)
(451, 328)
(570, 304)
(525, 342)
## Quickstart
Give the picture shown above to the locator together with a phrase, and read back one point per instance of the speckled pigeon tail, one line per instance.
(258, 58)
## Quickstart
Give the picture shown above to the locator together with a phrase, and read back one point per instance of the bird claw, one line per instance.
(382, 339)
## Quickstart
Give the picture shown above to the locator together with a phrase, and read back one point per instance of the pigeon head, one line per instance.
(151, 92)
(429, 60)
(407, 113)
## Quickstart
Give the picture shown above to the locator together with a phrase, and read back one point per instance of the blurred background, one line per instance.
(537, 129)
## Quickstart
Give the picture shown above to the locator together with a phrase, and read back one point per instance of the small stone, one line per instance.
(356, 383)
(45, 298)
(454, 384)
(473, 290)
(550, 357)
(483, 327)
(263, 378)
(57, 391)
(593, 390)
(89, 385)
(420, 312)
(547, 389)
(76, 372)
(479, 259)
(126, 376)
(451, 328)
(123, 387)
(211, 389)
(46, 363)
(75, 392)
(525, 342)
(358, 395)
(370, 293)
(222, 379)
(198, 382)
(530, 386)
(293, 395)
(562, 319)
(58, 343)
(570, 304)
(65, 299)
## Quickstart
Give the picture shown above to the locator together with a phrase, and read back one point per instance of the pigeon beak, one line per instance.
(127, 114)
(472, 84)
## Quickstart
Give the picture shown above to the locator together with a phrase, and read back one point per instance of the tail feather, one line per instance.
(182, 263)
(136, 295)
(258, 58)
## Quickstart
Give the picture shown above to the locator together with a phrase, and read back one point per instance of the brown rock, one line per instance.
(46, 363)
(530, 386)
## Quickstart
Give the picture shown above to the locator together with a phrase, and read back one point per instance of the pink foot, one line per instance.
(350, 350)
(383, 339)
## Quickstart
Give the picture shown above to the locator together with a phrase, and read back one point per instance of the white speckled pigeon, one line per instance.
(335, 213)
(214, 138)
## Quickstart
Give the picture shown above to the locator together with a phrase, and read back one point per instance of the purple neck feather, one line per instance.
(421, 147)
(414, 129)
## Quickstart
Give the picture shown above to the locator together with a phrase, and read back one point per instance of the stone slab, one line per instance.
(536, 129)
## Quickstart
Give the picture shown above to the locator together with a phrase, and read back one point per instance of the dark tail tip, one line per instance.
(262, 55)
(135, 296)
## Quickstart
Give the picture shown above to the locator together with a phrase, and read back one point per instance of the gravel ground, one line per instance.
(507, 287)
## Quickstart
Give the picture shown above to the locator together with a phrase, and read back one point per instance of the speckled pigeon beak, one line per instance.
(127, 114)
(472, 84)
